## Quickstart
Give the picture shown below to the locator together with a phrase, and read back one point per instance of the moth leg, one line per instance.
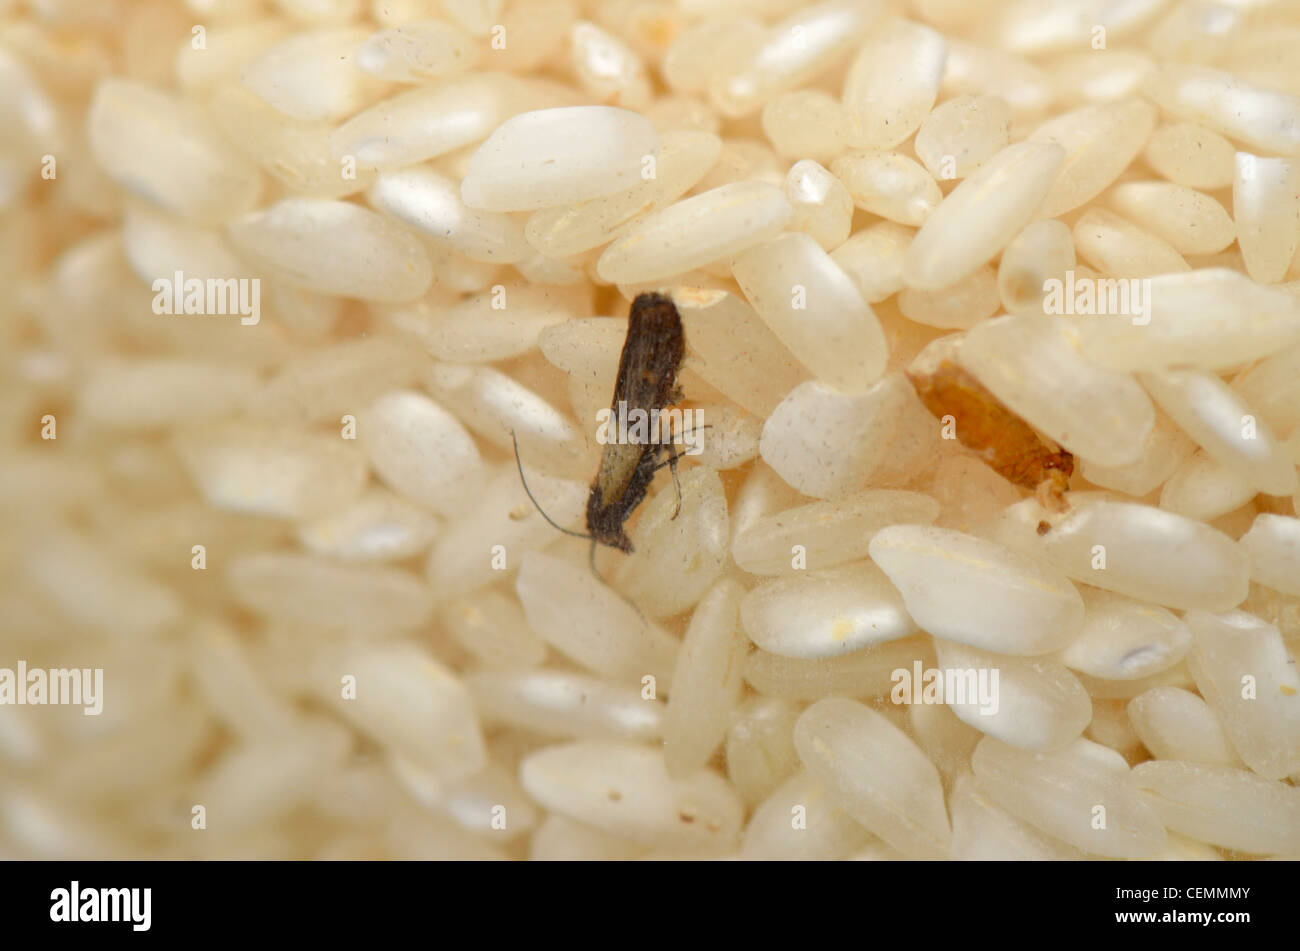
(671, 463)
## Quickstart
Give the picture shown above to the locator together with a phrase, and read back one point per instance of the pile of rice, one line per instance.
(332, 625)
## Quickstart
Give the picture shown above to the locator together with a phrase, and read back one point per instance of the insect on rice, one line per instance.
(646, 382)
(1005, 442)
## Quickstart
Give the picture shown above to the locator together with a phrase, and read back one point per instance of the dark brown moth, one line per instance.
(647, 380)
(1005, 442)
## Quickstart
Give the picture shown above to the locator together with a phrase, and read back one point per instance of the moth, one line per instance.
(647, 380)
(1006, 443)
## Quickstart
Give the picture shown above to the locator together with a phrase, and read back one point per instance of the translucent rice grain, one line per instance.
(562, 704)
(876, 774)
(295, 153)
(158, 244)
(977, 70)
(1099, 142)
(828, 533)
(961, 305)
(463, 558)
(822, 205)
(1273, 546)
(1212, 319)
(1034, 27)
(163, 392)
(491, 802)
(1059, 793)
(815, 310)
(625, 790)
(1196, 33)
(760, 749)
(564, 272)
(272, 471)
(558, 156)
(378, 526)
(684, 156)
(1264, 118)
(1231, 808)
(313, 75)
(945, 739)
(495, 405)
(1204, 488)
(865, 673)
(431, 204)
(317, 11)
(873, 258)
(826, 613)
(984, 831)
(1134, 550)
(1042, 252)
(682, 114)
(799, 48)
(892, 83)
(561, 839)
(317, 593)
(1039, 612)
(492, 627)
(607, 68)
(420, 450)
(706, 227)
(227, 47)
(1099, 414)
(733, 439)
(806, 123)
(1266, 206)
(261, 781)
(476, 331)
(1123, 639)
(433, 120)
(1214, 415)
(961, 134)
(328, 382)
(827, 444)
(334, 247)
(889, 184)
(476, 17)
(678, 559)
(418, 51)
(587, 348)
(707, 682)
(546, 23)
(969, 493)
(1118, 248)
(1080, 78)
(709, 48)
(408, 702)
(982, 214)
(95, 590)
(1036, 703)
(1190, 221)
(1110, 728)
(1244, 672)
(190, 171)
(827, 833)
(1272, 388)
(1191, 155)
(587, 621)
(1176, 724)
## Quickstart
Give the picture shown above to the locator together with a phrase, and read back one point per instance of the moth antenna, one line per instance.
(520, 466)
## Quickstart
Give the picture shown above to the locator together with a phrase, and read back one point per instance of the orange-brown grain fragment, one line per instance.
(1005, 442)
